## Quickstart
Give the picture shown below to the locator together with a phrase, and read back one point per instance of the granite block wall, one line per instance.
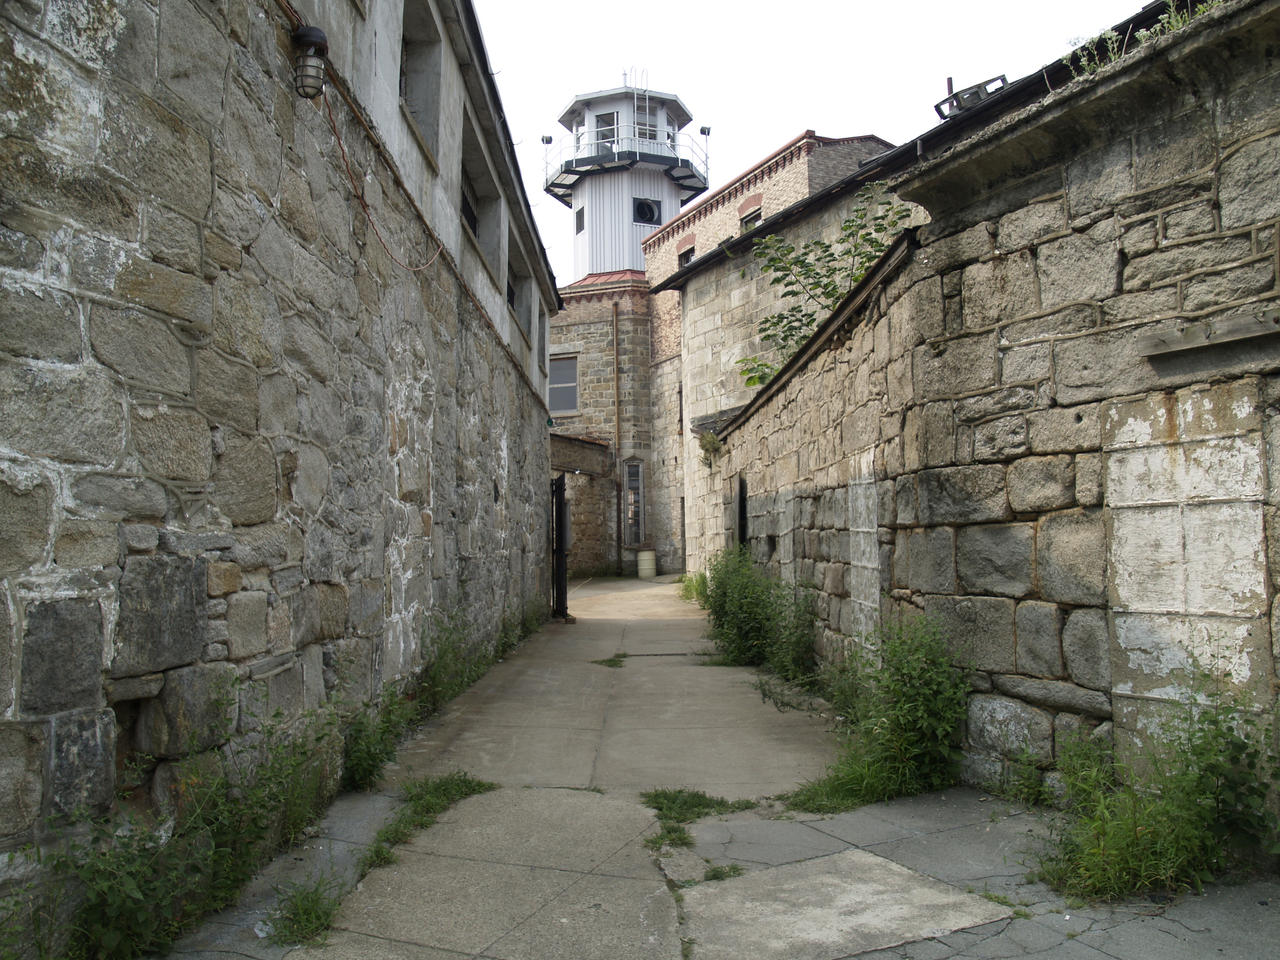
(1062, 391)
(240, 448)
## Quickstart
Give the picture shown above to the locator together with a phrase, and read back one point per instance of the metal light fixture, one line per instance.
(310, 46)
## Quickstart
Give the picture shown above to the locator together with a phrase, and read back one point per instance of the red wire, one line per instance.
(359, 195)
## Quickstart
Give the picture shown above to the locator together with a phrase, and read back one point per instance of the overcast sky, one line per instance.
(760, 72)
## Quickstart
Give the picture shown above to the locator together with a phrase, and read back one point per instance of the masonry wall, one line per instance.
(241, 450)
(614, 410)
(722, 307)
(1038, 427)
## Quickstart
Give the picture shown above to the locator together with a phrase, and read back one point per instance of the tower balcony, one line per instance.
(679, 156)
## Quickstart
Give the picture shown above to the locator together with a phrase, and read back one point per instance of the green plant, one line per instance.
(723, 872)
(693, 588)
(1093, 54)
(305, 911)
(757, 620)
(676, 807)
(905, 701)
(615, 661)
(669, 835)
(1198, 807)
(710, 445)
(1023, 781)
(820, 274)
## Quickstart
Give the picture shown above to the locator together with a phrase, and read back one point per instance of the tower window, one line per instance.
(579, 219)
(646, 211)
(751, 220)
(562, 384)
(607, 128)
(647, 121)
(633, 504)
(685, 257)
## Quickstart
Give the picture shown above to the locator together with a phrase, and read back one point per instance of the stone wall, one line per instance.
(611, 409)
(1056, 405)
(241, 451)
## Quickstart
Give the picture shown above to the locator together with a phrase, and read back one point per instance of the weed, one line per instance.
(669, 835)
(757, 620)
(1023, 781)
(1198, 809)
(686, 806)
(615, 661)
(305, 911)
(999, 898)
(379, 854)
(723, 872)
(1022, 913)
(1092, 55)
(676, 807)
(905, 704)
(693, 588)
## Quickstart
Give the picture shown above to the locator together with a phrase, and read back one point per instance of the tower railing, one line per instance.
(649, 141)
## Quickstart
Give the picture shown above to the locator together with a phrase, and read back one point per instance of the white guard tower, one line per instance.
(625, 171)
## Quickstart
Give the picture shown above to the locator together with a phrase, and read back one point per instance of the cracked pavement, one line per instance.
(553, 865)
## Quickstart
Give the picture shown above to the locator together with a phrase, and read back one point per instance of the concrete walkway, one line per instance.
(552, 866)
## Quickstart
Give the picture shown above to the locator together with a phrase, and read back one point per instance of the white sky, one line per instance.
(760, 72)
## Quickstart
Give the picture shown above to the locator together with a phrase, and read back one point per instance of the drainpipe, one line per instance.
(617, 446)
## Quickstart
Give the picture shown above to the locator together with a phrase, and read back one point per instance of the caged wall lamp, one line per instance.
(310, 46)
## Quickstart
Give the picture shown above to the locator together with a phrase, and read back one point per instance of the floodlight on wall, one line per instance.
(310, 47)
(546, 141)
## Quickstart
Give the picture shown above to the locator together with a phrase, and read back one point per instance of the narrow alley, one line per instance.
(553, 863)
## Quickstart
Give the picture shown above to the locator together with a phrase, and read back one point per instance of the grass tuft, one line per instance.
(305, 911)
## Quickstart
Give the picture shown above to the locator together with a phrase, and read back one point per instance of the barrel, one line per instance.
(646, 564)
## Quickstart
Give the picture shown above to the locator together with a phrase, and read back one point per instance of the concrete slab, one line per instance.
(447, 903)
(824, 909)
(577, 830)
(345, 945)
(605, 918)
(509, 754)
(762, 842)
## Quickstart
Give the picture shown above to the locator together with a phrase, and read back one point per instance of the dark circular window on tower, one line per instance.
(646, 211)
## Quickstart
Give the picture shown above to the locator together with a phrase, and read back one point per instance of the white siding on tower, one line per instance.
(611, 240)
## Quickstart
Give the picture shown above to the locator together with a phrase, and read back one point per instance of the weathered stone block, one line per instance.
(1041, 483)
(224, 578)
(1220, 287)
(277, 405)
(1000, 289)
(1056, 695)
(139, 537)
(173, 443)
(1000, 439)
(246, 320)
(995, 559)
(1029, 223)
(121, 498)
(905, 500)
(1225, 559)
(227, 390)
(1245, 180)
(156, 149)
(1088, 471)
(69, 414)
(949, 367)
(960, 248)
(1178, 260)
(1221, 410)
(978, 629)
(173, 239)
(134, 688)
(22, 760)
(196, 710)
(246, 624)
(932, 565)
(26, 502)
(985, 406)
(1025, 364)
(44, 325)
(192, 58)
(1071, 557)
(1083, 266)
(159, 623)
(167, 291)
(1064, 429)
(62, 657)
(79, 191)
(1146, 559)
(1010, 728)
(83, 763)
(1086, 648)
(965, 494)
(86, 543)
(1039, 651)
(244, 483)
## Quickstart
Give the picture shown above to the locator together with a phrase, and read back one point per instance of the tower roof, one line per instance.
(676, 111)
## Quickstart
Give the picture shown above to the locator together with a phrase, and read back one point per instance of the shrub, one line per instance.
(757, 620)
(905, 701)
(693, 588)
(1199, 807)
